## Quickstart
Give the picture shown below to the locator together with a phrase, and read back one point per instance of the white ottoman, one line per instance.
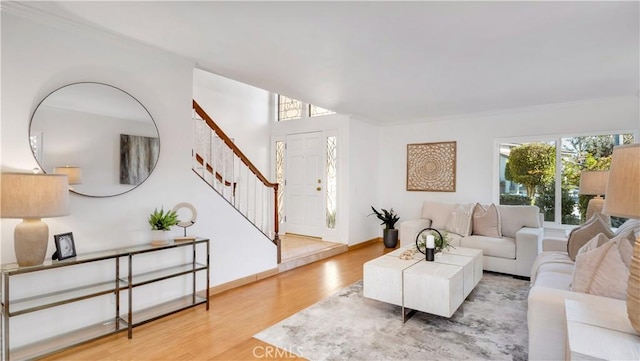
(382, 278)
(434, 288)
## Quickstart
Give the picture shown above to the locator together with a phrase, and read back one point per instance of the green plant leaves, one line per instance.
(161, 220)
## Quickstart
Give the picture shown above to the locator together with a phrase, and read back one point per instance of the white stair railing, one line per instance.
(221, 164)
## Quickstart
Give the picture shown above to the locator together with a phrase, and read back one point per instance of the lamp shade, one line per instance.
(73, 173)
(28, 195)
(623, 188)
(594, 182)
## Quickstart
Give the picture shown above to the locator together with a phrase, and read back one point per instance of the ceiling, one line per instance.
(395, 61)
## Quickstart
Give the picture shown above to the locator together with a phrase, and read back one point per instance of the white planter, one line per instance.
(159, 238)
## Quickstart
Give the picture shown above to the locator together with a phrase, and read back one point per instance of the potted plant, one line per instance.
(441, 240)
(160, 222)
(389, 219)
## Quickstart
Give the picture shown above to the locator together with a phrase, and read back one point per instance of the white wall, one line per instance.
(476, 150)
(363, 186)
(37, 59)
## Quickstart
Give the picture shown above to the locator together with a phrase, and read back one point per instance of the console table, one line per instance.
(124, 280)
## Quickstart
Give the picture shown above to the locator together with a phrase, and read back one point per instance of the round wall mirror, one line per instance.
(102, 137)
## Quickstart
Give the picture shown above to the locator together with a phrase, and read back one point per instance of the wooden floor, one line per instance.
(225, 331)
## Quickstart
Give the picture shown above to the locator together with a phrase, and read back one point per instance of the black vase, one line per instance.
(390, 238)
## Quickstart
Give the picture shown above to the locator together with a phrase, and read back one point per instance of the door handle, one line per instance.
(319, 189)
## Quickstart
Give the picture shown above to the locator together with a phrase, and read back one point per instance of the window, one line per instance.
(315, 111)
(332, 183)
(280, 156)
(546, 172)
(289, 109)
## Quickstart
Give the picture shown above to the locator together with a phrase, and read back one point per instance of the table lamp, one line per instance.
(623, 200)
(32, 197)
(73, 173)
(594, 183)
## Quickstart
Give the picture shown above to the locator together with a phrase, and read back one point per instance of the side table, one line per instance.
(599, 329)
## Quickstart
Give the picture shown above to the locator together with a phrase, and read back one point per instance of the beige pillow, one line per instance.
(594, 243)
(437, 212)
(460, 220)
(486, 221)
(584, 233)
(603, 270)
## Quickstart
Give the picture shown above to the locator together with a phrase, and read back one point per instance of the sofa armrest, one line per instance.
(546, 320)
(556, 244)
(409, 230)
(527, 240)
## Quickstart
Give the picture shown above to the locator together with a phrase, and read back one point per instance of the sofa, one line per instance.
(553, 280)
(509, 236)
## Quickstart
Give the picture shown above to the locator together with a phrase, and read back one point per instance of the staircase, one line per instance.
(221, 164)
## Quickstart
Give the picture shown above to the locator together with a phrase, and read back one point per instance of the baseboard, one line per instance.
(365, 243)
(274, 271)
(242, 281)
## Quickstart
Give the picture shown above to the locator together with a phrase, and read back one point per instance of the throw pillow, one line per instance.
(582, 234)
(486, 221)
(437, 212)
(460, 220)
(597, 241)
(603, 271)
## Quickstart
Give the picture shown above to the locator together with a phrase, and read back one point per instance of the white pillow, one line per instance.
(460, 220)
(603, 270)
(437, 212)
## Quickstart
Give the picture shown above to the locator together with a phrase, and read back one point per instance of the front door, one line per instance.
(304, 195)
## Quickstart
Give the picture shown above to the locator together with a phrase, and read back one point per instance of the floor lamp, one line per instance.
(594, 183)
(623, 200)
(32, 197)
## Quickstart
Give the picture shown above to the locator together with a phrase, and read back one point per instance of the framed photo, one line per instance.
(431, 167)
(65, 247)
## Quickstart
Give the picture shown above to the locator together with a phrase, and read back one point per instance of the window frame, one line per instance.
(305, 110)
(557, 139)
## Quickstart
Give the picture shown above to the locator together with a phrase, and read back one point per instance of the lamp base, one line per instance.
(31, 238)
(595, 206)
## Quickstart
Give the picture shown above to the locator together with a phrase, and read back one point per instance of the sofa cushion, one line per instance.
(603, 270)
(454, 239)
(460, 219)
(584, 233)
(437, 212)
(551, 261)
(492, 246)
(555, 280)
(512, 218)
(486, 221)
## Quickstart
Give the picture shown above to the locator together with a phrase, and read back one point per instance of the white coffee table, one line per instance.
(437, 287)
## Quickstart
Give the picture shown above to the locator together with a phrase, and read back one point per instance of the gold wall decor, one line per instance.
(431, 167)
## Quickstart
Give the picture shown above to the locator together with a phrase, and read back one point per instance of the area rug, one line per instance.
(490, 325)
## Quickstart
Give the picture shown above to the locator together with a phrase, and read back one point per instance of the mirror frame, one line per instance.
(43, 170)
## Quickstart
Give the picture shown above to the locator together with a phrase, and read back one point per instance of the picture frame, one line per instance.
(65, 246)
(431, 167)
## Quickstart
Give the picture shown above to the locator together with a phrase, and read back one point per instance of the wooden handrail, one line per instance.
(247, 162)
(232, 145)
(209, 169)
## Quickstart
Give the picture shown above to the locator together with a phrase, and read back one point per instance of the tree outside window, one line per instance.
(528, 173)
